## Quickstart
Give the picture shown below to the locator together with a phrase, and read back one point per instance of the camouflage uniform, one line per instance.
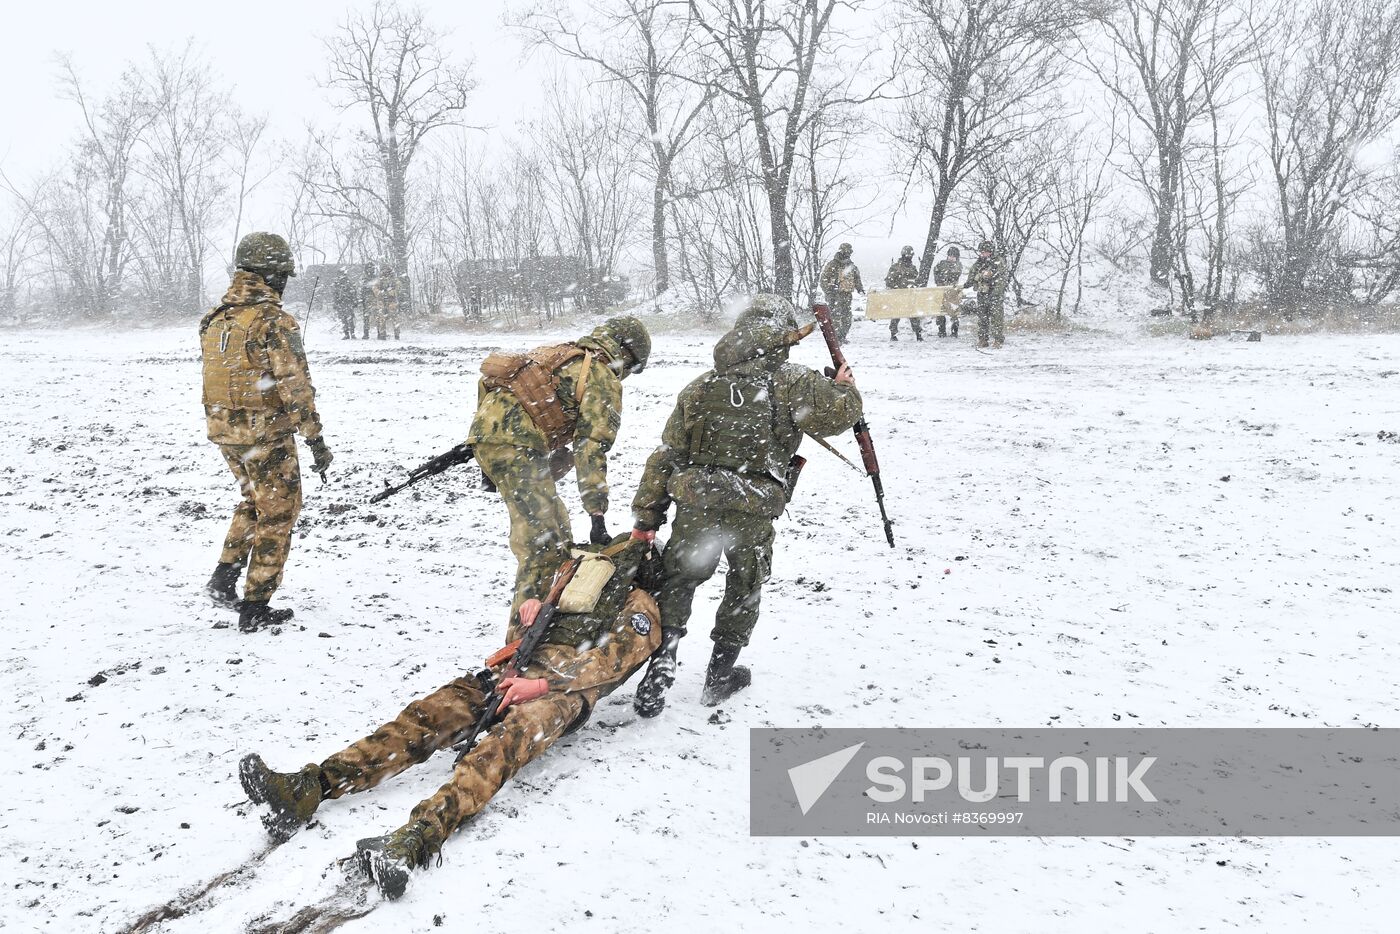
(346, 299)
(517, 457)
(947, 273)
(989, 277)
(730, 509)
(839, 280)
(584, 657)
(904, 274)
(384, 296)
(257, 394)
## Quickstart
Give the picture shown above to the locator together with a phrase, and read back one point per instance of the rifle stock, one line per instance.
(861, 429)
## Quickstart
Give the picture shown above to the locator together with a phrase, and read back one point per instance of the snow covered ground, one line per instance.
(1094, 531)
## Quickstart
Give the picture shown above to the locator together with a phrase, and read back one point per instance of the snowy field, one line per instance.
(1094, 531)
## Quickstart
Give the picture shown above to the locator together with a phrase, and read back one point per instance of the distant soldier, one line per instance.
(257, 394)
(384, 292)
(583, 658)
(839, 280)
(947, 273)
(541, 413)
(725, 460)
(988, 277)
(904, 274)
(367, 295)
(345, 298)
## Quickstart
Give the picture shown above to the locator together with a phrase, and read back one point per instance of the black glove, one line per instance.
(321, 456)
(599, 533)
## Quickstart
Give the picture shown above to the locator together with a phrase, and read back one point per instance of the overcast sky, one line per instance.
(271, 53)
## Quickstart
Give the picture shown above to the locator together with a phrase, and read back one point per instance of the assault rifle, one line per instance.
(460, 454)
(862, 430)
(520, 652)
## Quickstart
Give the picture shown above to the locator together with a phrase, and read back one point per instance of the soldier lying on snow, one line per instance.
(593, 644)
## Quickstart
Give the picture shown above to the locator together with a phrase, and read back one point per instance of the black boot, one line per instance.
(256, 614)
(390, 860)
(724, 679)
(287, 799)
(661, 674)
(223, 585)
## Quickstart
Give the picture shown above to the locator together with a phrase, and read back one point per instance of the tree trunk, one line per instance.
(782, 243)
(935, 227)
(1160, 265)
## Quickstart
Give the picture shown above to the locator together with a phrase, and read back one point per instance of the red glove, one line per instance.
(520, 690)
(642, 535)
(528, 611)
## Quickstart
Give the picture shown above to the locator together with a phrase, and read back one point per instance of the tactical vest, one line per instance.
(734, 425)
(237, 372)
(584, 629)
(534, 380)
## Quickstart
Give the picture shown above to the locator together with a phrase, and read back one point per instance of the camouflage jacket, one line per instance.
(903, 274)
(500, 419)
(805, 402)
(384, 291)
(947, 272)
(989, 278)
(593, 672)
(259, 387)
(345, 294)
(835, 271)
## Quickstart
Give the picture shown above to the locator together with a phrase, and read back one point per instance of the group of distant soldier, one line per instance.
(988, 279)
(726, 462)
(375, 299)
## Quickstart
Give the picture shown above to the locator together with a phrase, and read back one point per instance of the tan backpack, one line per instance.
(533, 379)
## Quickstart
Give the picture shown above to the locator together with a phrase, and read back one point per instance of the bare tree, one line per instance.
(1156, 71)
(1078, 192)
(766, 56)
(389, 63)
(19, 242)
(983, 77)
(1016, 196)
(249, 172)
(1331, 87)
(646, 47)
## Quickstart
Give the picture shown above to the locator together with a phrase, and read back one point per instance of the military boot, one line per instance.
(390, 860)
(223, 585)
(724, 679)
(256, 614)
(286, 799)
(661, 674)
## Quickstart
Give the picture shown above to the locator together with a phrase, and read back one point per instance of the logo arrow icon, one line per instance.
(810, 780)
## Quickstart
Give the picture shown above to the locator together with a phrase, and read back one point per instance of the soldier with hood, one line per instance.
(538, 415)
(725, 461)
(584, 656)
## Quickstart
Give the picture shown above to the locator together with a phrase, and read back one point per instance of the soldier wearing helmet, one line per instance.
(988, 277)
(257, 395)
(839, 280)
(904, 274)
(947, 273)
(540, 414)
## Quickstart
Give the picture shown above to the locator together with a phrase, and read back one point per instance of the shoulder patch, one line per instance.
(641, 623)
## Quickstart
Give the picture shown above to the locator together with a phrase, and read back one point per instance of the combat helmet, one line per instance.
(622, 333)
(844, 249)
(264, 252)
(986, 246)
(907, 253)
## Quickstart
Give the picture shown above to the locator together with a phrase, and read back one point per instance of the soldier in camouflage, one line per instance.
(538, 416)
(584, 657)
(345, 299)
(725, 460)
(384, 298)
(947, 273)
(988, 277)
(257, 395)
(904, 274)
(839, 280)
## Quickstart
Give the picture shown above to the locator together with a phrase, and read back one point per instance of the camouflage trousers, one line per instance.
(260, 535)
(698, 539)
(840, 304)
(540, 532)
(435, 722)
(991, 321)
(384, 321)
(916, 323)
